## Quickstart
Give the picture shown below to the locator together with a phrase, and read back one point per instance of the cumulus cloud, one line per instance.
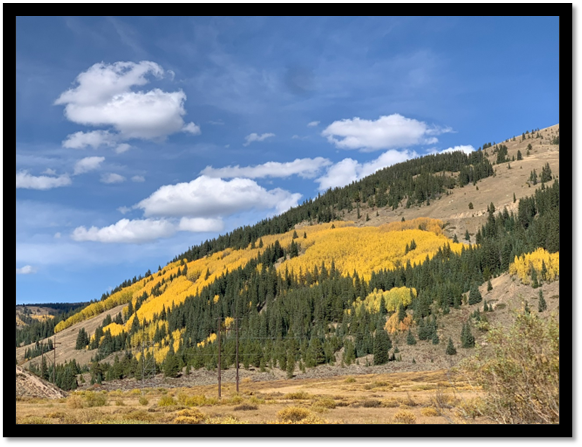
(26, 270)
(124, 209)
(49, 171)
(313, 124)
(57, 235)
(387, 132)
(141, 231)
(256, 137)
(138, 178)
(349, 170)
(191, 128)
(94, 139)
(126, 231)
(103, 96)
(25, 180)
(200, 224)
(212, 197)
(123, 147)
(466, 148)
(87, 164)
(304, 167)
(112, 178)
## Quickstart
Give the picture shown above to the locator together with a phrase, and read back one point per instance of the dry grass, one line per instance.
(404, 417)
(293, 414)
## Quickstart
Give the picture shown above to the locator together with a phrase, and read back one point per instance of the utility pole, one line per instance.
(54, 359)
(236, 330)
(219, 378)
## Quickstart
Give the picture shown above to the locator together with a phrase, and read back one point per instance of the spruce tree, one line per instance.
(534, 278)
(467, 235)
(451, 348)
(401, 312)
(474, 295)
(542, 305)
(435, 338)
(489, 286)
(290, 364)
(171, 364)
(455, 239)
(410, 340)
(381, 347)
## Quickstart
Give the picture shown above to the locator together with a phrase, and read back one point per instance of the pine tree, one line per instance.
(489, 286)
(410, 340)
(171, 364)
(542, 305)
(305, 235)
(290, 364)
(514, 199)
(467, 339)
(401, 312)
(455, 239)
(82, 339)
(467, 235)
(451, 348)
(534, 278)
(474, 295)
(435, 338)
(295, 236)
(470, 205)
(382, 345)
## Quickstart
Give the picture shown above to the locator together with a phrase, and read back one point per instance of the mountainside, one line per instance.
(389, 268)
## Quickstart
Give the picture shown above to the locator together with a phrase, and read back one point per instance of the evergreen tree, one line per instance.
(435, 338)
(401, 312)
(82, 339)
(474, 295)
(171, 364)
(290, 364)
(382, 345)
(304, 235)
(295, 236)
(467, 339)
(451, 348)
(542, 305)
(489, 286)
(455, 239)
(534, 278)
(410, 340)
(467, 235)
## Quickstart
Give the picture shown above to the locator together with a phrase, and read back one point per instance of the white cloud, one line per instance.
(25, 180)
(200, 224)
(387, 132)
(57, 235)
(313, 123)
(212, 197)
(49, 171)
(192, 128)
(95, 139)
(112, 178)
(103, 97)
(304, 167)
(467, 149)
(26, 270)
(127, 231)
(123, 147)
(256, 137)
(124, 209)
(87, 164)
(138, 178)
(349, 170)
(140, 231)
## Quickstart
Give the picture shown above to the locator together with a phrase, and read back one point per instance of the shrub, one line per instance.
(371, 403)
(166, 401)
(429, 412)
(139, 415)
(390, 403)
(325, 402)
(119, 403)
(526, 353)
(74, 402)
(95, 399)
(190, 416)
(299, 395)
(246, 407)
(143, 400)
(350, 380)
(229, 420)
(405, 417)
(293, 414)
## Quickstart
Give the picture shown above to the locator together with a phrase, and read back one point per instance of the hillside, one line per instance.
(327, 283)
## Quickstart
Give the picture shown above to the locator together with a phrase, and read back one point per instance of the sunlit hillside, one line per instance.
(350, 248)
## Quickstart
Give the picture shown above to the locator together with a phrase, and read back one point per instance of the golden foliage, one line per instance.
(393, 325)
(522, 265)
(392, 299)
(293, 414)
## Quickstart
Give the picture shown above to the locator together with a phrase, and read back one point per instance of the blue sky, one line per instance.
(139, 137)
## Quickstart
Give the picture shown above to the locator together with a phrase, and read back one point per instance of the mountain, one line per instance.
(387, 268)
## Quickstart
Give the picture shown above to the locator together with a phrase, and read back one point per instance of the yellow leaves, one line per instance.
(114, 328)
(228, 321)
(371, 248)
(216, 298)
(393, 325)
(522, 266)
(210, 339)
(392, 299)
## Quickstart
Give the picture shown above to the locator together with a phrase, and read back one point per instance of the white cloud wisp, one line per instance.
(304, 167)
